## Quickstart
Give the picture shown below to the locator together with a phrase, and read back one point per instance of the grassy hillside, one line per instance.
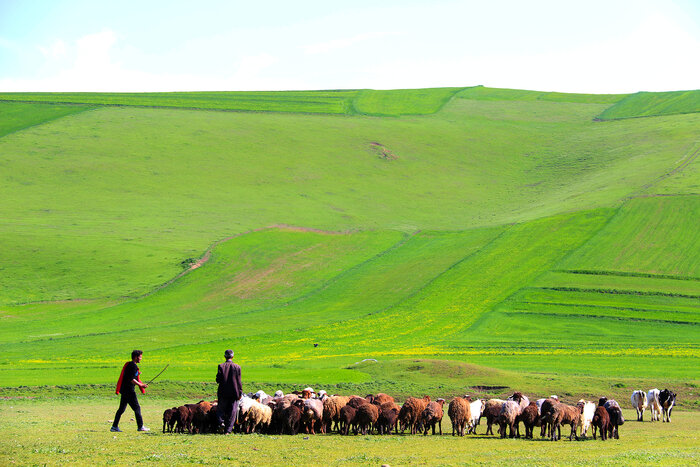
(651, 104)
(16, 116)
(501, 229)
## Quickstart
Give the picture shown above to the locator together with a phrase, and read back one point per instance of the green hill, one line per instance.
(501, 228)
(651, 104)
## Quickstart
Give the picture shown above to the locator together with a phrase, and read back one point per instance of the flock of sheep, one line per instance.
(308, 412)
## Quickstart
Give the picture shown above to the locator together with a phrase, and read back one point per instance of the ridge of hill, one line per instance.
(652, 104)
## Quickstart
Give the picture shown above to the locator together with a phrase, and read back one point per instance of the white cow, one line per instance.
(654, 404)
(640, 403)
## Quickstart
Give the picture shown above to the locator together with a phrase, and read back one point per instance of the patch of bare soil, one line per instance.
(382, 152)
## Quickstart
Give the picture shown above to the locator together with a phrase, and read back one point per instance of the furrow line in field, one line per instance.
(608, 307)
(616, 318)
(617, 291)
(590, 272)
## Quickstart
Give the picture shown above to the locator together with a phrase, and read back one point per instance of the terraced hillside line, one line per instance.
(18, 116)
(593, 272)
(684, 162)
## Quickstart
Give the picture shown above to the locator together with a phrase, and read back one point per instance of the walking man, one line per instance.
(128, 380)
(229, 378)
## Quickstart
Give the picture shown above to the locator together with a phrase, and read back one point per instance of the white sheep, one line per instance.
(654, 404)
(477, 408)
(639, 402)
(586, 415)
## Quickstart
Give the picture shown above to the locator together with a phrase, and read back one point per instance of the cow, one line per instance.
(640, 403)
(667, 399)
(654, 404)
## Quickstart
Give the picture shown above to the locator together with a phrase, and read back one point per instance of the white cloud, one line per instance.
(55, 51)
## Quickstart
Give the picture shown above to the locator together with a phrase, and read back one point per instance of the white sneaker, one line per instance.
(144, 428)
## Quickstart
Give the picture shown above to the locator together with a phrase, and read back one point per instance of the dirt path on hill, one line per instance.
(685, 162)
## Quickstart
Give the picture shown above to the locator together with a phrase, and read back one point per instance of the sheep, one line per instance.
(259, 416)
(640, 403)
(169, 419)
(292, 417)
(366, 417)
(184, 419)
(616, 418)
(654, 404)
(545, 420)
(601, 421)
(460, 414)
(587, 412)
(521, 399)
(492, 410)
(381, 398)
(410, 413)
(529, 417)
(331, 411)
(388, 417)
(507, 417)
(432, 415)
(476, 408)
(312, 414)
(563, 414)
(356, 401)
(347, 419)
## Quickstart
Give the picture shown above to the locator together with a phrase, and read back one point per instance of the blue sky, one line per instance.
(593, 46)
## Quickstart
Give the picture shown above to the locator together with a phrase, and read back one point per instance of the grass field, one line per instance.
(648, 104)
(74, 431)
(467, 239)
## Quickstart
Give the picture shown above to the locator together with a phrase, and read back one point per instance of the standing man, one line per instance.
(128, 380)
(229, 378)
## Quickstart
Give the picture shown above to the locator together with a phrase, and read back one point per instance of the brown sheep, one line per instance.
(492, 410)
(347, 419)
(388, 417)
(460, 413)
(356, 401)
(410, 413)
(601, 421)
(292, 417)
(382, 398)
(312, 414)
(564, 414)
(366, 417)
(529, 417)
(545, 419)
(184, 419)
(169, 419)
(432, 415)
(331, 411)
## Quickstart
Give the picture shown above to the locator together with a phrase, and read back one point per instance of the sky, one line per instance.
(129, 46)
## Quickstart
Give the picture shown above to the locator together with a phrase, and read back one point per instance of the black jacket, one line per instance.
(229, 378)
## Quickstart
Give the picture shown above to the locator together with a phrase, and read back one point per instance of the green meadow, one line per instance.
(436, 241)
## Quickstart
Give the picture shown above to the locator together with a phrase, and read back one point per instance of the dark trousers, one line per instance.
(129, 398)
(226, 412)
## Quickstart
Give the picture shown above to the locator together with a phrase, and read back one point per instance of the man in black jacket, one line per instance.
(128, 380)
(229, 378)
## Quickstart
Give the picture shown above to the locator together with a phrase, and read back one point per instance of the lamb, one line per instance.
(616, 418)
(184, 419)
(312, 414)
(410, 413)
(587, 412)
(169, 419)
(601, 421)
(654, 404)
(292, 417)
(492, 410)
(529, 417)
(259, 416)
(476, 408)
(382, 398)
(366, 417)
(564, 414)
(640, 403)
(545, 416)
(388, 417)
(432, 415)
(521, 399)
(347, 419)
(460, 414)
(507, 417)
(331, 411)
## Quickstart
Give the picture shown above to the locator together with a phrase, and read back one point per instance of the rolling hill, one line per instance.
(510, 230)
